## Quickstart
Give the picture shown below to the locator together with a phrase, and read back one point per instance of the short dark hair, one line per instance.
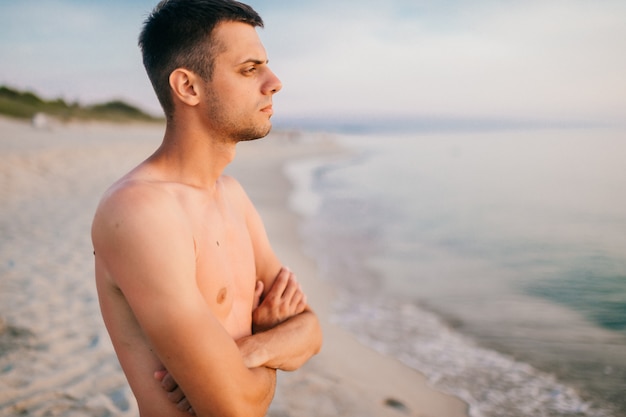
(177, 34)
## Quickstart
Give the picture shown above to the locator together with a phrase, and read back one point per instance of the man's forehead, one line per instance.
(239, 41)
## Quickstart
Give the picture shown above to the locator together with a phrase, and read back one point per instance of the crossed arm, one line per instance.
(286, 334)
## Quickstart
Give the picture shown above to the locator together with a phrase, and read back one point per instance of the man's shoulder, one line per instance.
(137, 204)
(135, 196)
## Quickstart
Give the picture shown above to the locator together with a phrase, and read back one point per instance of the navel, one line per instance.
(221, 296)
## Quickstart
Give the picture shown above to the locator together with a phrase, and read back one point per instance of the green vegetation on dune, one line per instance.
(25, 105)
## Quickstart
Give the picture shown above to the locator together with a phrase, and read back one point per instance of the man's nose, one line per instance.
(273, 84)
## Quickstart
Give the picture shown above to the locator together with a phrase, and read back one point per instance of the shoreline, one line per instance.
(63, 362)
(346, 377)
(404, 271)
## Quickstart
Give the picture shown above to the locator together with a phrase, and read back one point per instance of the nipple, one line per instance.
(221, 296)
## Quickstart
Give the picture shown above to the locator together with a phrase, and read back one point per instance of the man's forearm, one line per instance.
(287, 346)
(265, 386)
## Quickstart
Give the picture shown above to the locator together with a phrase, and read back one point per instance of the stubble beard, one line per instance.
(251, 133)
(235, 129)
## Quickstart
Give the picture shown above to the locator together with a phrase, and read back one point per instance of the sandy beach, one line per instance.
(55, 355)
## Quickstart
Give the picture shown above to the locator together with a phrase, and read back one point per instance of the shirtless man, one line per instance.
(188, 283)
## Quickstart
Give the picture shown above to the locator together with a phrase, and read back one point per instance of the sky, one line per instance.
(561, 61)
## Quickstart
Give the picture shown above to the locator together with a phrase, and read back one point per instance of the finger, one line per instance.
(258, 292)
(302, 305)
(176, 396)
(280, 283)
(183, 405)
(168, 383)
(296, 299)
(291, 289)
(299, 302)
(159, 375)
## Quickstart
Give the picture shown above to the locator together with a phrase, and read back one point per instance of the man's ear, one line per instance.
(185, 86)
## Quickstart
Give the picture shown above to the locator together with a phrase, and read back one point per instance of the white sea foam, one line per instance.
(493, 384)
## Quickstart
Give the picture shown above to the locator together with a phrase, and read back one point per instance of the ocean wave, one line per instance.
(492, 383)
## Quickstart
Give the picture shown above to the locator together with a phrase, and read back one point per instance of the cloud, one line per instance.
(545, 60)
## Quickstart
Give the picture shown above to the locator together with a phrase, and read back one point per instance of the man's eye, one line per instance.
(249, 70)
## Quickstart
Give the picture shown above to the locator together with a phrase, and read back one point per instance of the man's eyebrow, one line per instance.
(254, 61)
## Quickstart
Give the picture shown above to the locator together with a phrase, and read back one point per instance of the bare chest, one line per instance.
(225, 272)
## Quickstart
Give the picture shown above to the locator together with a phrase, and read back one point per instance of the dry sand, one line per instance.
(55, 355)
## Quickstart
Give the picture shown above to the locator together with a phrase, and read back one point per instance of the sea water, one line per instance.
(493, 262)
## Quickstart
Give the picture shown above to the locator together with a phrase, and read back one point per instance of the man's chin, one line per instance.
(255, 134)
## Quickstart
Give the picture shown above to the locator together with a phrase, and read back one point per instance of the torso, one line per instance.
(225, 275)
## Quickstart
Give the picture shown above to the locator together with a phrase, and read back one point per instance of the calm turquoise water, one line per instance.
(493, 262)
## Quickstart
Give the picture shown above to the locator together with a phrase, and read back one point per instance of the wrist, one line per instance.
(253, 352)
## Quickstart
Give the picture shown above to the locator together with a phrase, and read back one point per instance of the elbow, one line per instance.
(251, 399)
(318, 338)
(316, 347)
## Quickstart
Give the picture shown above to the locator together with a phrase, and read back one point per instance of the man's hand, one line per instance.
(174, 393)
(284, 300)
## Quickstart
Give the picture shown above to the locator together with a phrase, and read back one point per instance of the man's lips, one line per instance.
(268, 109)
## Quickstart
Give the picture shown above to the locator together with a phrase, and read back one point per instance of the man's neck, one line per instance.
(193, 156)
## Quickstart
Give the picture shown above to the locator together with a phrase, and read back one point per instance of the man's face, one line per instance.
(239, 98)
